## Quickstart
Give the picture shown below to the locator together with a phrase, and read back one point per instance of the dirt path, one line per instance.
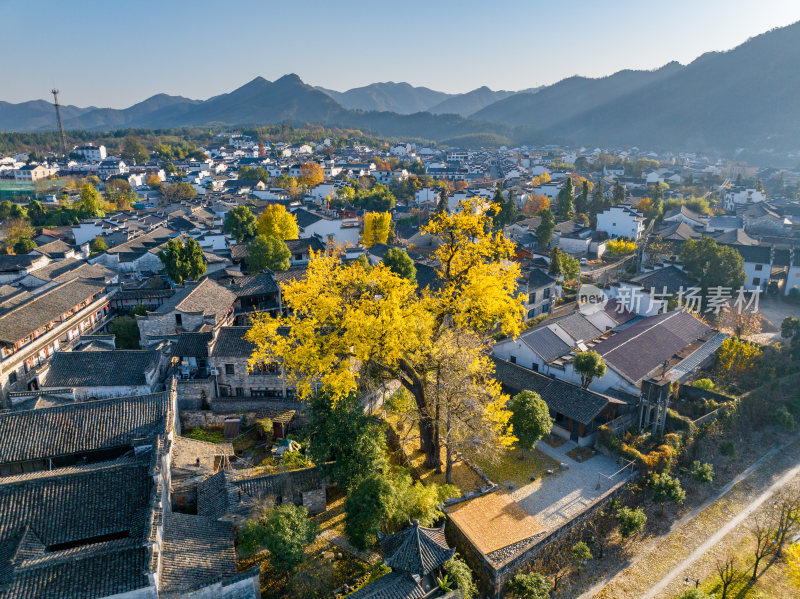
(720, 534)
(740, 494)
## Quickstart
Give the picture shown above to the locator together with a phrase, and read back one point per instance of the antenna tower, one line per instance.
(58, 118)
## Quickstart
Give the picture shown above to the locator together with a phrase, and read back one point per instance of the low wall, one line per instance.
(192, 393)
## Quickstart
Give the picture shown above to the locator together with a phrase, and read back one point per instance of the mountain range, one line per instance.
(722, 101)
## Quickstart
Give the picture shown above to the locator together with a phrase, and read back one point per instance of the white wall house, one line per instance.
(621, 221)
(738, 196)
(427, 195)
(91, 152)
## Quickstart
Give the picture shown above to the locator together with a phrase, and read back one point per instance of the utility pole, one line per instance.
(58, 118)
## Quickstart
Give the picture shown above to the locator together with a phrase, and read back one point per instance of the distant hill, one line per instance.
(35, 114)
(746, 98)
(470, 102)
(741, 100)
(569, 97)
(401, 98)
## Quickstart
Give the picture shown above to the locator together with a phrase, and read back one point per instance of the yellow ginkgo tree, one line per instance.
(349, 326)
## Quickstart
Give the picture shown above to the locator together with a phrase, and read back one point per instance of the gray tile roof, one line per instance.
(258, 284)
(755, 254)
(15, 263)
(192, 345)
(645, 345)
(671, 277)
(41, 309)
(577, 326)
(394, 585)
(206, 297)
(545, 343)
(82, 427)
(565, 398)
(304, 245)
(119, 367)
(196, 550)
(230, 342)
(416, 549)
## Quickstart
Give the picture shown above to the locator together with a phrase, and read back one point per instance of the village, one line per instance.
(173, 425)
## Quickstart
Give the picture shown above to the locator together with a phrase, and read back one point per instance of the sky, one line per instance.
(114, 54)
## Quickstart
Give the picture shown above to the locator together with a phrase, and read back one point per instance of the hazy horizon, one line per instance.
(199, 50)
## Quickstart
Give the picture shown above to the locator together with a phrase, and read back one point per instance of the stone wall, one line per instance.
(243, 379)
(193, 392)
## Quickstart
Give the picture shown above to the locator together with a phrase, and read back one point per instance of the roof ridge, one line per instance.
(646, 330)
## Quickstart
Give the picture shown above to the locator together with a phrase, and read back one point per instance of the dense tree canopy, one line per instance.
(712, 264)
(400, 263)
(240, 223)
(183, 261)
(177, 192)
(267, 252)
(590, 365)
(377, 227)
(544, 232)
(349, 326)
(530, 418)
(275, 221)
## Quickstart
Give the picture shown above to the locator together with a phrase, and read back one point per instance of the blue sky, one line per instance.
(109, 53)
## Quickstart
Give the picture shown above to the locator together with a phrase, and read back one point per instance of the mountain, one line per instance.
(569, 97)
(470, 102)
(401, 98)
(745, 98)
(35, 114)
(111, 118)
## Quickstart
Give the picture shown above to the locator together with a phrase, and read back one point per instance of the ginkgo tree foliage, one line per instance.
(349, 327)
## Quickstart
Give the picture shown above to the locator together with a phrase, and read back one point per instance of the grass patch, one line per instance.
(210, 435)
(509, 468)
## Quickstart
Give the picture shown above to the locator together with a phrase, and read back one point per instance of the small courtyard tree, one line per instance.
(286, 531)
(590, 365)
(530, 419)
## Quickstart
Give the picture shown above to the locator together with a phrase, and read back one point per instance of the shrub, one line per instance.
(727, 448)
(580, 553)
(666, 488)
(529, 586)
(293, 460)
(459, 572)
(694, 594)
(678, 422)
(286, 532)
(703, 473)
(630, 520)
(608, 438)
(704, 384)
(782, 417)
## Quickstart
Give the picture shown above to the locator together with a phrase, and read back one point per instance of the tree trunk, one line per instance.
(428, 437)
(755, 568)
(448, 471)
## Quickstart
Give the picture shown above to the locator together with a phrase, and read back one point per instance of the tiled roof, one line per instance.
(671, 277)
(258, 284)
(305, 218)
(416, 549)
(577, 327)
(645, 345)
(14, 263)
(82, 427)
(678, 231)
(545, 343)
(17, 323)
(230, 342)
(54, 249)
(735, 237)
(755, 254)
(565, 398)
(536, 278)
(394, 585)
(206, 297)
(119, 367)
(192, 345)
(195, 551)
(304, 245)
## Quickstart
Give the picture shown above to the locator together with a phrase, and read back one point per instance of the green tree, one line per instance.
(630, 520)
(590, 365)
(126, 332)
(544, 232)
(400, 263)
(566, 198)
(119, 193)
(712, 264)
(24, 245)
(368, 508)
(580, 554)
(347, 443)
(98, 245)
(286, 532)
(257, 173)
(582, 201)
(183, 261)
(618, 193)
(460, 573)
(598, 199)
(529, 586)
(240, 223)
(530, 418)
(267, 252)
(666, 488)
(91, 204)
(133, 151)
(177, 192)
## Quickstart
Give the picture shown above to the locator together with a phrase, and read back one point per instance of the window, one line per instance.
(759, 266)
(531, 312)
(535, 367)
(225, 390)
(229, 369)
(545, 308)
(298, 256)
(756, 281)
(513, 359)
(532, 298)
(546, 294)
(179, 319)
(239, 392)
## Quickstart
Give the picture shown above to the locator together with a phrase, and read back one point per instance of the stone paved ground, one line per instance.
(558, 498)
(336, 538)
